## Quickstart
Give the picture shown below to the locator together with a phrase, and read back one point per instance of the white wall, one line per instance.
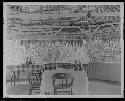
(105, 71)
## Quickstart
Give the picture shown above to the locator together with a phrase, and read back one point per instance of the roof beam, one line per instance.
(111, 24)
(39, 36)
(45, 16)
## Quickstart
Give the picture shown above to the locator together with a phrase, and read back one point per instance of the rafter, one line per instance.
(115, 27)
(111, 24)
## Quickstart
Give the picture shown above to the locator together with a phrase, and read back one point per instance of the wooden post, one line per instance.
(60, 10)
(88, 71)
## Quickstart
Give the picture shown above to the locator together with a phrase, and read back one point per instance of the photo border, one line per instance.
(66, 96)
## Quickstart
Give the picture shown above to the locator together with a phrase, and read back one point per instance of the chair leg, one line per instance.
(71, 92)
(30, 91)
(54, 91)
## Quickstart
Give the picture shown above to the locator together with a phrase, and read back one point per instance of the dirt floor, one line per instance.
(95, 87)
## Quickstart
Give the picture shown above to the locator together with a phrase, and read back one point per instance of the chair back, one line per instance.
(35, 78)
(63, 76)
(34, 81)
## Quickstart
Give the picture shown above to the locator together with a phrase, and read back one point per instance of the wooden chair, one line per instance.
(63, 87)
(35, 82)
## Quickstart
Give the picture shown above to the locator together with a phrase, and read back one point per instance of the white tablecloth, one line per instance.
(80, 81)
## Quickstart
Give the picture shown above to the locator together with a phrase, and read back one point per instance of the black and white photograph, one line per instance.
(63, 49)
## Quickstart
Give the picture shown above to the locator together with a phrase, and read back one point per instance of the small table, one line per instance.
(80, 84)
